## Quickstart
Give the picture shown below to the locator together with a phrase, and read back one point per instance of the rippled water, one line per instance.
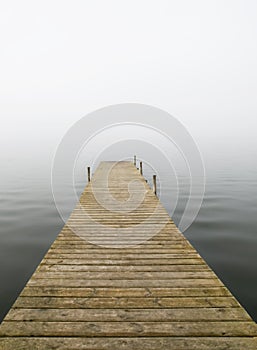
(224, 232)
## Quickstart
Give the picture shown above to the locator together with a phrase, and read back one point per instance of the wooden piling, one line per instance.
(88, 174)
(154, 185)
(141, 168)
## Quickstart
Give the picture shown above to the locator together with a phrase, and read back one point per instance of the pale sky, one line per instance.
(60, 60)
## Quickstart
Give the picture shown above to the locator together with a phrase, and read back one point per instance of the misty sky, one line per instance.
(63, 59)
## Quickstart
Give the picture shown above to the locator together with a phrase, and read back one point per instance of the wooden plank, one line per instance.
(119, 256)
(130, 275)
(122, 283)
(161, 239)
(70, 245)
(128, 329)
(115, 251)
(123, 262)
(131, 302)
(121, 268)
(115, 343)
(121, 315)
(124, 292)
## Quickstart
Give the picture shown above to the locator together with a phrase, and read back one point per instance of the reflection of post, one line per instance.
(135, 160)
(141, 168)
(154, 185)
(88, 173)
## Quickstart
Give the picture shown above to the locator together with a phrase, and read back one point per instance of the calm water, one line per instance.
(224, 232)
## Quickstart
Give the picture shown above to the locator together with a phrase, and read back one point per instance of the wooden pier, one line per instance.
(121, 276)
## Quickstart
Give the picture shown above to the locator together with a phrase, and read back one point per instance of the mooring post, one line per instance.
(154, 185)
(88, 173)
(141, 168)
(135, 160)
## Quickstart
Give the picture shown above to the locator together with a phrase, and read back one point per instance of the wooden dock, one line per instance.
(124, 278)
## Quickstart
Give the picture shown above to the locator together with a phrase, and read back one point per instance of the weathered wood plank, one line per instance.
(119, 256)
(124, 292)
(114, 343)
(78, 275)
(124, 262)
(128, 329)
(132, 302)
(121, 268)
(139, 248)
(120, 315)
(162, 237)
(110, 251)
(122, 283)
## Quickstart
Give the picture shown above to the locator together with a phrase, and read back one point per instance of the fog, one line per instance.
(61, 60)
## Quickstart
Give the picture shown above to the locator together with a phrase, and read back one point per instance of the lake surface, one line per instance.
(224, 231)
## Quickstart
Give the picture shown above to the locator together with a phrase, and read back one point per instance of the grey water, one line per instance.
(224, 231)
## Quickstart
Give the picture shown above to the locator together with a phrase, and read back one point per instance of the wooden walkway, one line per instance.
(126, 278)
